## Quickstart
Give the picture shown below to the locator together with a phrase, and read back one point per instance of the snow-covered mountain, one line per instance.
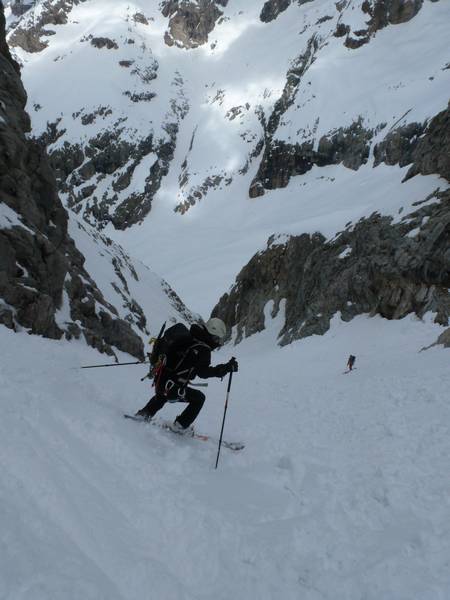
(219, 124)
(58, 276)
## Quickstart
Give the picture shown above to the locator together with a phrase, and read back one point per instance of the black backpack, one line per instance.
(171, 346)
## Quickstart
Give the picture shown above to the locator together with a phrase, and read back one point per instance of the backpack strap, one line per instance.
(196, 344)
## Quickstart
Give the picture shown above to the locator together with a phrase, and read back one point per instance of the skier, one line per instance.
(187, 359)
(351, 362)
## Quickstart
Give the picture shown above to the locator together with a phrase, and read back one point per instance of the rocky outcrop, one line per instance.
(80, 169)
(41, 270)
(20, 7)
(444, 339)
(51, 12)
(431, 153)
(191, 22)
(398, 146)
(390, 12)
(426, 147)
(272, 8)
(380, 13)
(281, 161)
(274, 148)
(375, 267)
(200, 191)
(104, 42)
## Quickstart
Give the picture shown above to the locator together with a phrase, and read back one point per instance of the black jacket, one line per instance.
(194, 359)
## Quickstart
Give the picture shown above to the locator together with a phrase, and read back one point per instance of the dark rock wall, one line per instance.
(398, 145)
(79, 169)
(376, 267)
(272, 8)
(431, 153)
(281, 161)
(191, 22)
(39, 261)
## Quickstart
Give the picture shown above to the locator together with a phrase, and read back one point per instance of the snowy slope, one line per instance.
(341, 492)
(205, 124)
(140, 296)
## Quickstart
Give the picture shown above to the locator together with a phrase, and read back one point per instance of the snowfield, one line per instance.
(342, 491)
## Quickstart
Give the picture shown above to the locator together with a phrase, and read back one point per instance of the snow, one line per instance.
(9, 218)
(346, 252)
(341, 491)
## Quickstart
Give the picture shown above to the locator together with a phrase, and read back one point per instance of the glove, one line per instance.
(232, 365)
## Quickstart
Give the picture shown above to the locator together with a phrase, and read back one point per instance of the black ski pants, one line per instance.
(194, 399)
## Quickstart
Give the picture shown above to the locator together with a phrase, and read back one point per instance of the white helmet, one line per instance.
(217, 328)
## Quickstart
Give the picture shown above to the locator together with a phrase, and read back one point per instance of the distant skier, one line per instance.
(351, 362)
(184, 354)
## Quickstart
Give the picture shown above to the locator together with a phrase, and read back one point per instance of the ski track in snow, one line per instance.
(342, 490)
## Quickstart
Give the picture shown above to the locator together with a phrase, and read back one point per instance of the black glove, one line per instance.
(232, 365)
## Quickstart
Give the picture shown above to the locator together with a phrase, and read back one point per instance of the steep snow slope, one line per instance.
(341, 492)
(140, 296)
(187, 134)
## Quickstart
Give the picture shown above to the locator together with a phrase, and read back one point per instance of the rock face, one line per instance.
(52, 13)
(20, 7)
(191, 22)
(79, 170)
(349, 146)
(380, 13)
(444, 339)
(431, 153)
(398, 146)
(272, 8)
(376, 267)
(40, 265)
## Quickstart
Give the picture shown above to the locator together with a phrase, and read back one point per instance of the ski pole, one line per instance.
(224, 415)
(139, 362)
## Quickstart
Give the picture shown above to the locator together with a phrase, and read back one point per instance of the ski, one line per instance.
(234, 446)
(349, 371)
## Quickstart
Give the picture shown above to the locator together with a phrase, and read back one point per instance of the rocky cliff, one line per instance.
(380, 265)
(191, 22)
(44, 286)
